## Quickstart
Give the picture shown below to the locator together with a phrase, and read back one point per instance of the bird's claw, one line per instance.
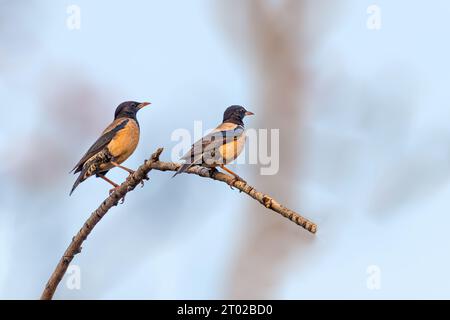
(212, 172)
(231, 183)
(142, 181)
(235, 179)
(111, 191)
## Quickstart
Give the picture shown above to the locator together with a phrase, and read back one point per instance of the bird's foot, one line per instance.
(236, 179)
(142, 181)
(111, 191)
(212, 172)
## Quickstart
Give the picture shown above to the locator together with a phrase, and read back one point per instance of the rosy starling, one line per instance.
(222, 146)
(117, 142)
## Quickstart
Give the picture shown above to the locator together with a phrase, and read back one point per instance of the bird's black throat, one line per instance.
(126, 114)
(234, 118)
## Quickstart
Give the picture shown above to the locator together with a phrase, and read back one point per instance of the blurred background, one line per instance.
(364, 152)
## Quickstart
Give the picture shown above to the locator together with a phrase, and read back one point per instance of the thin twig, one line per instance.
(138, 177)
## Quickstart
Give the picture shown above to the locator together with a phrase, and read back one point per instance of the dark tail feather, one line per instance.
(77, 182)
(183, 168)
(78, 167)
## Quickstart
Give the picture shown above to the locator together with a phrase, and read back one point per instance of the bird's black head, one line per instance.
(129, 109)
(236, 114)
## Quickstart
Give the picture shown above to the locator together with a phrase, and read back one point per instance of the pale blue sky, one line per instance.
(385, 106)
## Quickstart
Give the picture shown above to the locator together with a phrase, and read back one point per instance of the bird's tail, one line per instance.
(79, 180)
(183, 168)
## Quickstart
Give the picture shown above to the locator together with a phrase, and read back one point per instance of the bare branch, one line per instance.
(262, 198)
(75, 246)
(138, 177)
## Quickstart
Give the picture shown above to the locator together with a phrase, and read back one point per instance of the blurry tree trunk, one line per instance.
(272, 35)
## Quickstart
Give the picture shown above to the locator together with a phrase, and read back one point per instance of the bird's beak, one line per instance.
(249, 113)
(143, 104)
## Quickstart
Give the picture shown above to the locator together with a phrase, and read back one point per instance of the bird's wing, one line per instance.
(211, 142)
(101, 142)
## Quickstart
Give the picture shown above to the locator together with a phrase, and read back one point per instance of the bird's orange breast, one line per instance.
(231, 150)
(125, 142)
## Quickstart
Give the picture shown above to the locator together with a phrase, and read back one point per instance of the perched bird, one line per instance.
(220, 147)
(117, 142)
